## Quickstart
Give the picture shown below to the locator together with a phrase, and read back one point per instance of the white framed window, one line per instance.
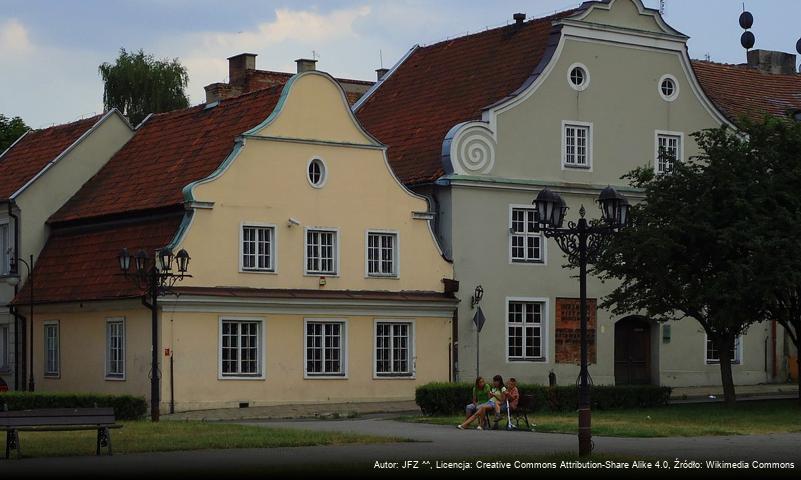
(115, 348)
(241, 348)
(52, 363)
(712, 354)
(382, 253)
(526, 329)
(257, 248)
(578, 77)
(394, 349)
(668, 150)
(5, 249)
(5, 342)
(577, 145)
(321, 251)
(325, 346)
(316, 172)
(526, 245)
(668, 87)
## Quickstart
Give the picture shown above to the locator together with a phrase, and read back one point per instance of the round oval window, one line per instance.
(316, 172)
(668, 88)
(578, 77)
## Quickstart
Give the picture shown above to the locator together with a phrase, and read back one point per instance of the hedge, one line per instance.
(126, 407)
(451, 398)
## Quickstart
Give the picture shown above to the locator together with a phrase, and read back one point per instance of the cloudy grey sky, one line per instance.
(50, 49)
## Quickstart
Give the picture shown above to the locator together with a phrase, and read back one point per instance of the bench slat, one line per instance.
(66, 428)
(57, 412)
(33, 421)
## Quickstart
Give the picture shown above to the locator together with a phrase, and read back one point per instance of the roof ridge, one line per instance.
(747, 68)
(95, 117)
(532, 21)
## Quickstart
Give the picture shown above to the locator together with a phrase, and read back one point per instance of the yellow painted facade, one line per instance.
(264, 182)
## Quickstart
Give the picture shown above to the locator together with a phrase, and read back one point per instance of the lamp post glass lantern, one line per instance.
(154, 277)
(581, 241)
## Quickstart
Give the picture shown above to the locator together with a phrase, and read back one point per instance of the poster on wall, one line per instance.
(568, 330)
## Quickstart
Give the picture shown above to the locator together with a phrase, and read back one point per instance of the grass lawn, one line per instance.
(684, 420)
(144, 436)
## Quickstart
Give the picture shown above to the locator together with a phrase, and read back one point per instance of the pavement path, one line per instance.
(434, 442)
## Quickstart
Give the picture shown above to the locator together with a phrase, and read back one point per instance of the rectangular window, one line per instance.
(5, 341)
(115, 348)
(577, 145)
(51, 343)
(525, 243)
(382, 254)
(325, 352)
(240, 348)
(668, 151)
(525, 331)
(258, 248)
(713, 355)
(321, 252)
(5, 247)
(393, 349)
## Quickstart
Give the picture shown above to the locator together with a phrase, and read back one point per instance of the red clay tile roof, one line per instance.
(447, 83)
(81, 264)
(741, 91)
(35, 150)
(168, 152)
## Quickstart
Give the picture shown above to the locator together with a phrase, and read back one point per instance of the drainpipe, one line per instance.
(18, 319)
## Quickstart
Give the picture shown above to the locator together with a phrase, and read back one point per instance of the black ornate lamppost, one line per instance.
(582, 241)
(14, 280)
(154, 277)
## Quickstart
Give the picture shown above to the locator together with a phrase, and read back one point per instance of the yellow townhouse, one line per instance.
(314, 273)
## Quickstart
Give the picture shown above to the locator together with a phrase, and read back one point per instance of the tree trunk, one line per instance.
(725, 347)
(798, 371)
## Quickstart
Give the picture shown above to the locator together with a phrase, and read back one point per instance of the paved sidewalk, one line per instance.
(328, 411)
(765, 390)
(434, 442)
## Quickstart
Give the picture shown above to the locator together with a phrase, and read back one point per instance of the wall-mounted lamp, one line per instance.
(322, 281)
(292, 222)
(478, 294)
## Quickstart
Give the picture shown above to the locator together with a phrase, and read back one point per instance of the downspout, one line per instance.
(18, 319)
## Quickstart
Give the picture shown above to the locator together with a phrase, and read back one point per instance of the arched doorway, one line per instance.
(633, 351)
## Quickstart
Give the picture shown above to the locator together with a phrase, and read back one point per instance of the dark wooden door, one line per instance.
(632, 351)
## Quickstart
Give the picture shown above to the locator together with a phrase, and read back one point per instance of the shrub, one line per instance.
(451, 398)
(126, 407)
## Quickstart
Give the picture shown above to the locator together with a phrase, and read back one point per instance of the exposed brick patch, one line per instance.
(568, 330)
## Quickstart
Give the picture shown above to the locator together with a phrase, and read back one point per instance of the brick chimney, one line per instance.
(238, 65)
(770, 61)
(380, 73)
(306, 65)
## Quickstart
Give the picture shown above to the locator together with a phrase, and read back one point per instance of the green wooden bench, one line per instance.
(58, 420)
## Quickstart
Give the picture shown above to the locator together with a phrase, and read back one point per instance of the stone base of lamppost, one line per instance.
(585, 433)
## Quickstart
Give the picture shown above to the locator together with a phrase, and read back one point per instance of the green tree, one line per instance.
(10, 130)
(777, 144)
(696, 247)
(138, 84)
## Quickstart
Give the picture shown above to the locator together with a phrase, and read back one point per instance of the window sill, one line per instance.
(528, 262)
(527, 360)
(384, 277)
(395, 377)
(312, 376)
(51, 376)
(717, 362)
(242, 377)
(115, 379)
(577, 167)
(270, 272)
(326, 275)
